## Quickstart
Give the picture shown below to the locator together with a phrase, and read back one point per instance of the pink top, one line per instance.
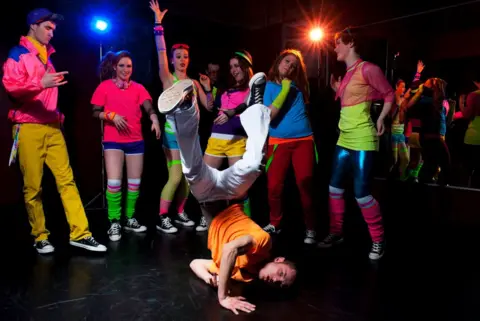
(367, 85)
(231, 99)
(126, 103)
(22, 75)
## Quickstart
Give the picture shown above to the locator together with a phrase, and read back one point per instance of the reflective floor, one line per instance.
(430, 272)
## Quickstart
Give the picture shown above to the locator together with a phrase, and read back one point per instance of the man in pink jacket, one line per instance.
(32, 84)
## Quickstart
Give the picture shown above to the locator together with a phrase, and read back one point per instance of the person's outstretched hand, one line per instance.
(159, 14)
(237, 303)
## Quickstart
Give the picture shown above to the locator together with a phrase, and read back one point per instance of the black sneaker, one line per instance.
(377, 251)
(183, 219)
(115, 231)
(165, 225)
(89, 243)
(270, 229)
(330, 241)
(257, 88)
(202, 226)
(310, 237)
(44, 247)
(133, 225)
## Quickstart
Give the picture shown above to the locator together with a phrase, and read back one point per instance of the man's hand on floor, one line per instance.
(237, 303)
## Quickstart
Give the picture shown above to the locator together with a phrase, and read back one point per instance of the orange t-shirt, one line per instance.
(229, 225)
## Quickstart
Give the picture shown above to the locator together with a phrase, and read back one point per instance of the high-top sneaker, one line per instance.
(202, 226)
(115, 231)
(310, 237)
(90, 244)
(270, 229)
(377, 251)
(330, 241)
(182, 218)
(257, 88)
(44, 247)
(133, 225)
(175, 95)
(165, 225)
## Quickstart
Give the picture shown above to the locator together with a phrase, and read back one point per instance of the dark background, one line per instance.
(445, 40)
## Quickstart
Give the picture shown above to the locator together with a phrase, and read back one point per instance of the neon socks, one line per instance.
(114, 199)
(132, 196)
(371, 213)
(337, 210)
(246, 207)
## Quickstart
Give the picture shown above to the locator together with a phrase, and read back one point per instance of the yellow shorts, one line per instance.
(218, 147)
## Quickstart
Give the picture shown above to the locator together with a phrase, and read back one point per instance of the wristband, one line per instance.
(109, 115)
(158, 30)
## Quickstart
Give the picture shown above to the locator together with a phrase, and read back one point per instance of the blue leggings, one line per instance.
(361, 162)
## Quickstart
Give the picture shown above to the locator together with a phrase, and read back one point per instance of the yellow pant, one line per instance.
(39, 144)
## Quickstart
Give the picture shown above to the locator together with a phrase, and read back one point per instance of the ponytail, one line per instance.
(105, 69)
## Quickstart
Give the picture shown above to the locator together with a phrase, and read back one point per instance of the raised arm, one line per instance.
(165, 76)
(230, 252)
(275, 104)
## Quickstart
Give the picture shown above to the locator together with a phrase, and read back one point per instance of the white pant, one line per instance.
(207, 183)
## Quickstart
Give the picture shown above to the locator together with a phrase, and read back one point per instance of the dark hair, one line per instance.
(299, 74)
(438, 87)
(350, 35)
(399, 82)
(246, 67)
(109, 61)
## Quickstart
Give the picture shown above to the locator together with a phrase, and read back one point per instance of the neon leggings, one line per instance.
(176, 184)
(361, 163)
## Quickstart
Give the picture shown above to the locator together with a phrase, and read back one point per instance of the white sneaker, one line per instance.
(270, 229)
(173, 96)
(377, 251)
(115, 232)
(310, 237)
(202, 226)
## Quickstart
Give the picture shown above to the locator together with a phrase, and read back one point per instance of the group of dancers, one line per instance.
(262, 126)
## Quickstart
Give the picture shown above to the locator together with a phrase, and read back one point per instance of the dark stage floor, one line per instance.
(430, 272)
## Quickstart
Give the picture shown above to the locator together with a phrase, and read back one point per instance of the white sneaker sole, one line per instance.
(115, 238)
(136, 230)
(45, 250)
(201, 228)
(99, 248)
(309, 240)
(255, 78)
(186, 224)
(171, 230)
(174, 95)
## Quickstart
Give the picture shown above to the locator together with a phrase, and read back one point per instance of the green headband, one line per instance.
(244, 56)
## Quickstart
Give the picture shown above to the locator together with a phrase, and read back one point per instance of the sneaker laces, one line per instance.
(166, 222)
(376, 247)
(183, 216)
(269, 228)
(44, 243)
(203, 221)
(310, 234)
(114, 229)
(133, 223)
(92, 241)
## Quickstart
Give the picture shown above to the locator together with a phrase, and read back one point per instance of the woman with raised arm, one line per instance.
(176, 184)
(358, 141)
(118, 101)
